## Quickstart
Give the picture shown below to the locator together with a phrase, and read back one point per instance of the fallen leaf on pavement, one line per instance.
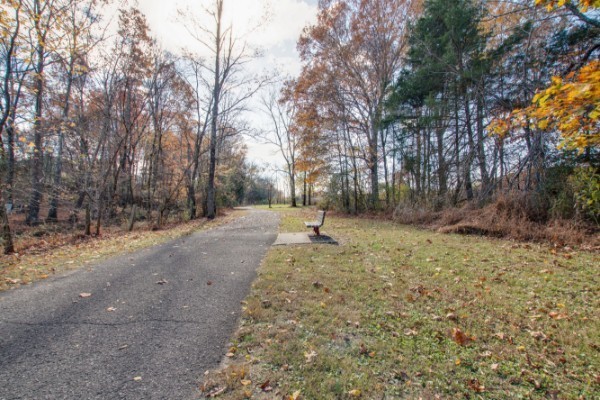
(162, 282)
(137, 378)
(84, 295)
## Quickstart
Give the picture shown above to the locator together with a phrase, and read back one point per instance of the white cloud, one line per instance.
(276, 36)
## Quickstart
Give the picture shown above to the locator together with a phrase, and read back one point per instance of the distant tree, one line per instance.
(361, 44)
(283, 134)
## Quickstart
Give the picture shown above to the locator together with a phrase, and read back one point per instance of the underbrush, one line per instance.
(510, 216)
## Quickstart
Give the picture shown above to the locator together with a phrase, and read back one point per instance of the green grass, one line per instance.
(396, 312)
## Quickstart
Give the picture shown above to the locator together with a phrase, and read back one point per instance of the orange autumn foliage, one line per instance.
(570, 105)
(583, 5)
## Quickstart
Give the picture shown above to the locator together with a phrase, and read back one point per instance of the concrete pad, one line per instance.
(286, 239)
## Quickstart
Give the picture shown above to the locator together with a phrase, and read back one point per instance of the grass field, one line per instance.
(396, 312)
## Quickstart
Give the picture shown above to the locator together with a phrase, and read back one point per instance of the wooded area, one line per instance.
(112, 126)
(400, 106)
(419, 106)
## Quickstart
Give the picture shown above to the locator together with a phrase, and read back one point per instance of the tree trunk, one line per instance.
(6, 233)
(88, 220)
(472, 150)
(10, 173)
(132, 218)
(442, 169)
(304, 190)
(481, 147)
(385, 169)
(37, 160)
(292, 177)
(211, 203)
(191, 200)
(374, 166)
(55, 194)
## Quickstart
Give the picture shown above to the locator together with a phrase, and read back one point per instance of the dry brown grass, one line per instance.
(509, 216)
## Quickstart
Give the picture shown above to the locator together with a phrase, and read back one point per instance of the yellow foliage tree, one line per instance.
(583, 5)
(570, 105)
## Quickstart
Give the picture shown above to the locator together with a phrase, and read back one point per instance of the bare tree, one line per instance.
(228, 85)
(7, 104)
(79, 20)
(282, 134)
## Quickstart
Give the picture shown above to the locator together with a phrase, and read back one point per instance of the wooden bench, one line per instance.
(317, 223)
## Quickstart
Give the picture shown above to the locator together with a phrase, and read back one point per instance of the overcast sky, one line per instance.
(272, 25)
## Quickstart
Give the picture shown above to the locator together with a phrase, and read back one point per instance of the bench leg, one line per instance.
(316, 229)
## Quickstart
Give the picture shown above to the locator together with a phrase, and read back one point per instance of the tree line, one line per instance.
(112, 124)
(435, 104)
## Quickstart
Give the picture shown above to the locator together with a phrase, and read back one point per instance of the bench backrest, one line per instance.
(321, 217)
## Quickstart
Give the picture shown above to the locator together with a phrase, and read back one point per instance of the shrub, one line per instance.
(586, 185)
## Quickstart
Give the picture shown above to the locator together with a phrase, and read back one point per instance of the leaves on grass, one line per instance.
(460, 337)
(476, 386)
(217, 391)
(310, 356)
(538, 335)
(557, 316)
(266, 386)
(452, 317)
(410, 332)
(295, 395)
(245, 382)
(354, 393)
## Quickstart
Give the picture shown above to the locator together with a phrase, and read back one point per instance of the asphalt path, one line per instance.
(155, 321)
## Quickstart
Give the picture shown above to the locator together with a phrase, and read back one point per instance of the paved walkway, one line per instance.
(155, 320)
